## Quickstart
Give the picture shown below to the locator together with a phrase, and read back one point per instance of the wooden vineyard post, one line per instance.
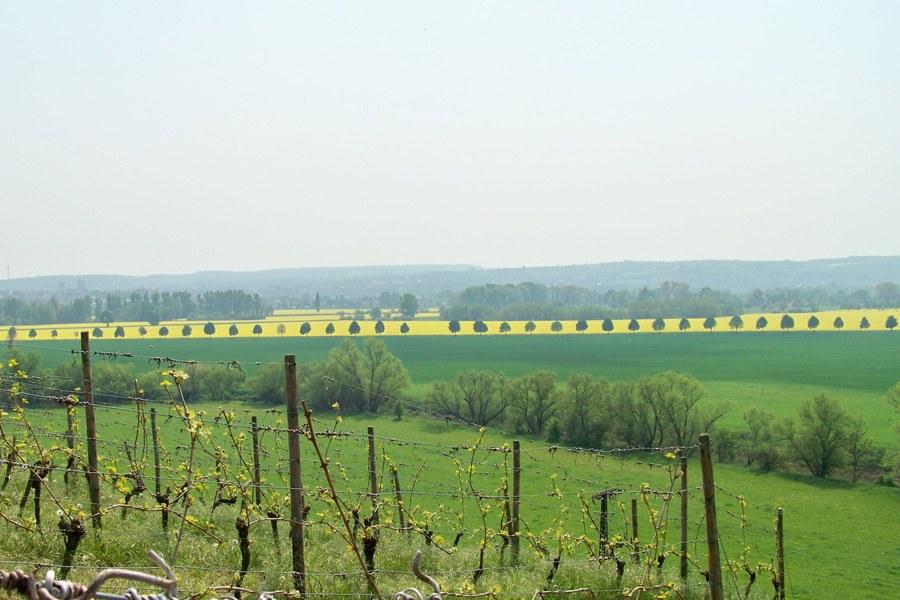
(157, 472)
(716, 590)
(400, 516)
(254, 432)
(604, 523)
(373, 475)
(93, 474)
(779, 551)
(517, 470)
(70, 442)
(293, 423)
(684, 519)
(634, 526)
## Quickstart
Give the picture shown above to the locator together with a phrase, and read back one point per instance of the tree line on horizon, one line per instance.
(500, 302)
(533, 301)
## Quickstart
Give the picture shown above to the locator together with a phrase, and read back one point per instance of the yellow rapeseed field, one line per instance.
(427, 323)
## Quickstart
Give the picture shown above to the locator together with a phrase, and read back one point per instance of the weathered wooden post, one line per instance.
(779, 550)
(163, 500)
(684, 519)
(254, 432)
(293, 423)
(712, 528)
(373, 475)
(517, 470)
(604, 522)
(93, 474)
(70, 442)
(634, 527)
(400, 515)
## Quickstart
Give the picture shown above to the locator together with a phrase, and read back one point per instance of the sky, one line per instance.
(175, 137)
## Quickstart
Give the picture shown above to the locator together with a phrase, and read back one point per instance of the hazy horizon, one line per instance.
(173, 138)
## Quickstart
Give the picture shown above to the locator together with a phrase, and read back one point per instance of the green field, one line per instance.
(828, 521)
(775, 371)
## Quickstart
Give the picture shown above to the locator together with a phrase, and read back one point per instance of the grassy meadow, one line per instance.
(828, 522)
(775, 371)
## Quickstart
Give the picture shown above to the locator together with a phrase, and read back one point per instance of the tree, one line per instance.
(267, 385)
(530, 327)
(32, 333)
(163, 331)
(474, 396)
(607, 325)
(864, 323)
(186, 331)
(817, 439)
(329, 329)
(736, 322)
(379, 327)
(762, 323)
(218, 383)
(893, 396)
(281, 329)
(454, 327)
(404, 328)
(787, 322)
(106, 317)
(838, 323)
(354, 328)
(305, 329)
(505, 327)
(633, 325)
(375, 313)
(891, 322)
(581, 326)
(257, 330)
(233, 330)
(318, 303)
(142, 331)
(556, 327)
(97, 332)
(684, 324)
(209, 329)
(812, 323)
(409, 305)
(709, 323)
(152, 317)
(534, 400)
(366, 379)
(587, 406)
(479, 326)
(11, 333)
(55, 334)
(756, 444)
(658, 324)
(663, 409)
(887, 294)
(119, 332)
(862, 454)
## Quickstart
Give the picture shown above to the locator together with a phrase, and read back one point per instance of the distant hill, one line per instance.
(429, 280)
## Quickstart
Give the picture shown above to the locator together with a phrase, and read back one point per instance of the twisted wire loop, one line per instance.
(14, 581)
(51, 589)
(413, 593)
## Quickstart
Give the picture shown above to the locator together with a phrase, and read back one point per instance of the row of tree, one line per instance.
(147, 307)
(670, 300)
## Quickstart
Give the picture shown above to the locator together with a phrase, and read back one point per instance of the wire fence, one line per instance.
(210, 489)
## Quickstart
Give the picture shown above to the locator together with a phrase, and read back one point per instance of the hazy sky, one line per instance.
(172, 137)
